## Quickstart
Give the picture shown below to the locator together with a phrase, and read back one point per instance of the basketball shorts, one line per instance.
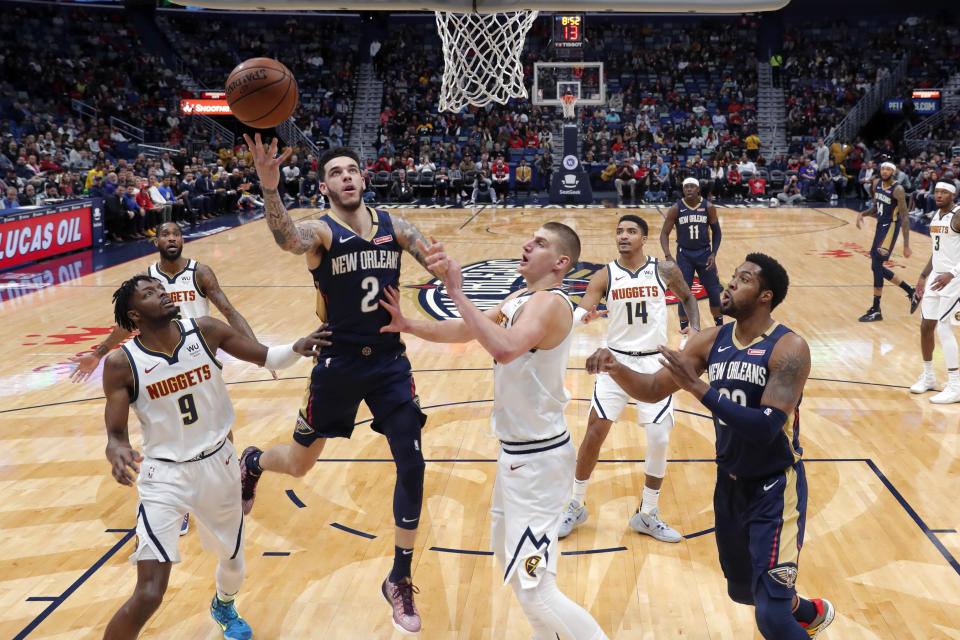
(341, 380)
(885, 237)
(530, 490)
(609, 399)
(759, 528)
(695, 262)
(208, 489)
(939, 305)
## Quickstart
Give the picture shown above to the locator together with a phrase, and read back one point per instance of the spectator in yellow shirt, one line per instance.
(753, 143)
(523, 177)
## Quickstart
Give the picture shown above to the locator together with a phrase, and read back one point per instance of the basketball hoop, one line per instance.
(569, 105)
(482, 57)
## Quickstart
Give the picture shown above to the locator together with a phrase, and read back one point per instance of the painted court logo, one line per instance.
(488, 282)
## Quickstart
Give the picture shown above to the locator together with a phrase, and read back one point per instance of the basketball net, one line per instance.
(482, 57)
(569, 105)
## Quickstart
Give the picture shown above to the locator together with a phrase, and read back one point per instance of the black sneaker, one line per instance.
(872, 315)
(914, 301)
(248, 482)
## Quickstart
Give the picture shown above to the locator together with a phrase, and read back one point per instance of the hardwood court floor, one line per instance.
(883, 465)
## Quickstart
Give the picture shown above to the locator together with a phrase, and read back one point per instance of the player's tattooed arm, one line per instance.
(210, 287)
(407, 236)
(789, 369)
(670, 273)
(297, 238)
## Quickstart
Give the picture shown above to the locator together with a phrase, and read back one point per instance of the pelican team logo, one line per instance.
(488, 282)
(785, 575)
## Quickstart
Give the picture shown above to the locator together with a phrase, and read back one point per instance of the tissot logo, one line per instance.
(487, 283)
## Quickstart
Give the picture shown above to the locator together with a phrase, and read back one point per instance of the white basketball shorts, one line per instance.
(609, 399)
(942, 304)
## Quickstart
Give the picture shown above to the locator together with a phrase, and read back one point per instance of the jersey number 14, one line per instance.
(637, 310)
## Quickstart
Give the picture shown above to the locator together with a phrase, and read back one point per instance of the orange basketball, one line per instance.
(261, 92)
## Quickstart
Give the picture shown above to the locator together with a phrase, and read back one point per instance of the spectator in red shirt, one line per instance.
(758, 188)
(501, 178)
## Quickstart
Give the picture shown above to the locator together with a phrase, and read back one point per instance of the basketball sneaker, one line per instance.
(825, 615)
(248, 481)
(949, 395)
(652, 525)
(683, 341)
(406, 619)
(185, 525)
(914, 301)
(225, 614)
(572, 518)
(872, 315)
(925, 383)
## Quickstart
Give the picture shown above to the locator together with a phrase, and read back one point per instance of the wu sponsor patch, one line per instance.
(531, 564)
(786, 575)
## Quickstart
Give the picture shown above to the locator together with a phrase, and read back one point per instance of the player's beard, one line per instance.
(336, 199)
(171, 257)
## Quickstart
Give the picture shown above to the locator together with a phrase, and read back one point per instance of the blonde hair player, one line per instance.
(940, 301)
(635, 288)
(528, 334)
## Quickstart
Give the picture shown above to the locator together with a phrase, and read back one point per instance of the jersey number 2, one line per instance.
(188, 409)
(637, 310)
(372, 286)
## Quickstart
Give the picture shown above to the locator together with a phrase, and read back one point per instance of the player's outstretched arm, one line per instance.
(297, 238)
(670, 273)
(642, 386)
(453, 330)
(670, 219)
(872, 210)
(586, 311)
(219, 335)
(117, 387)
(412, 241)
(210, 287)
(87, 362)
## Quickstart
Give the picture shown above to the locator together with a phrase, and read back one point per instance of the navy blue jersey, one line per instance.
(693, 230)
(351, 278)
(741, 373)
(887, 209)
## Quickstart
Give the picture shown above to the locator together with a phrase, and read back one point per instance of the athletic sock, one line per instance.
(684, 323)
(806, 611)
(928, 368)
(401, 564)
(649, 501)
(253, 463)
(953, 377)
(876, 303)
(906, 287)
(580, 490)
(225, 598)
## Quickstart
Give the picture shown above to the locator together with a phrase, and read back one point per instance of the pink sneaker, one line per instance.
(406, 619)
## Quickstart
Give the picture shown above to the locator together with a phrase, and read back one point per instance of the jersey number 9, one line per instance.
(188, 409)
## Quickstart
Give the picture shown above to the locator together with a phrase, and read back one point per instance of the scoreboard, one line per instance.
(568, 35)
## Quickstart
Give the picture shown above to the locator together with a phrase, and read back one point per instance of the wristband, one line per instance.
(281, 357)
(955, 271)
(578, 314)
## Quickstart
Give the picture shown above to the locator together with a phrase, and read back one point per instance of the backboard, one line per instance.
(553, 80)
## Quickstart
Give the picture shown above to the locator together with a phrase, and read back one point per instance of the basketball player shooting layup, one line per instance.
(353, 254)
(171, 377)
(757, 370)
(634, 287)
(528, 334)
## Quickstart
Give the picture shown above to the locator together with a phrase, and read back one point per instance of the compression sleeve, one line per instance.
(760, 425)
(715, 236)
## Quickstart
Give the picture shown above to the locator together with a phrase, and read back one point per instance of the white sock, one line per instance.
(928, 368)
(580, 490)
(224, 598)
(953, 376)
(649, 501)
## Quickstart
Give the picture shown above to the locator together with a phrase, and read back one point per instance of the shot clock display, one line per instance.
(568, 34)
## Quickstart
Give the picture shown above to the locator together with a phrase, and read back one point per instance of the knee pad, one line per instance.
(404, 440)
(658, 437)
(740, 592)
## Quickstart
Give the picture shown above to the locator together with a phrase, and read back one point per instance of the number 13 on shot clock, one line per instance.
(568, 32)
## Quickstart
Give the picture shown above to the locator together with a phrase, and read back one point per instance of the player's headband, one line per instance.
(889, 165)
(946, 186)
(692, 181)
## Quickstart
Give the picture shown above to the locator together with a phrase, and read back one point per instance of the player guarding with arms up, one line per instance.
(635, 289)
(353, 254)
(528, 335)
(698, 240)
(757, 370)
(171, 377)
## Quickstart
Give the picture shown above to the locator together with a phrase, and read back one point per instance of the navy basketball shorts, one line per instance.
(342, 379)
(695, 262)
(759, 528)
(884, 238)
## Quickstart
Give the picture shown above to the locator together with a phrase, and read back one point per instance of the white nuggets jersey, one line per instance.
(637, 308)
(183, 289)
(179, 398)
(528, 393)
(946, 241)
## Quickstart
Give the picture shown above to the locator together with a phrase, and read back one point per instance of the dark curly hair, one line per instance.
(772, 276)
(121, 300)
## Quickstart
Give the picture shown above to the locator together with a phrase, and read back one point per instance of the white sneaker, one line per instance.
(185, 525)
(949, 395)
(924, 384)
(652, 525)
(573, 517)
(683, 341)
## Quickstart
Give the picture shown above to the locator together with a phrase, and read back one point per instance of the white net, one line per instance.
(569, 106)
(482, 57)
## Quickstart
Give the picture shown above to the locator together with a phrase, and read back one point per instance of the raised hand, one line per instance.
(266, 161)
(86, 364)
(309, 346)
(436, 257)
(391, 302)
(682, 371)
(593, 314)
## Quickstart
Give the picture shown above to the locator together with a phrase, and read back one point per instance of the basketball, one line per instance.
(261, 92)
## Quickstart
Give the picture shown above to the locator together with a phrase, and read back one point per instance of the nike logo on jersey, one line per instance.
(619, 279)
(151, 368)
(722, 349)
(342, 240)
(515, 467)
(767, 487)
